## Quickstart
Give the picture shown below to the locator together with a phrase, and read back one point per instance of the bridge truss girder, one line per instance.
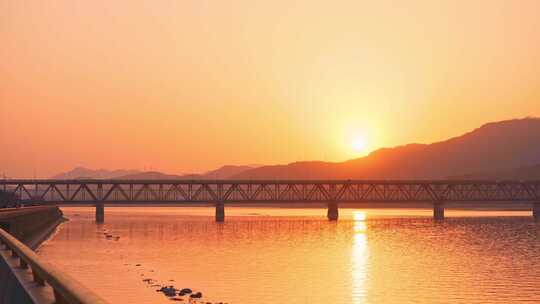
(172, 191)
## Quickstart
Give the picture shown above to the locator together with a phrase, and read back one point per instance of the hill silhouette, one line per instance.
(500, 150)
(227, 172)
(83, 173)
(223, 172)
(521, 173)
(504, 145)
(150, 175)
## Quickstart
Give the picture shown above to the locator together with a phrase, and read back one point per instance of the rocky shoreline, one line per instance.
(173, 293)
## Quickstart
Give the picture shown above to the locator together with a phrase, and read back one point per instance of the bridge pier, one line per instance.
(333, 212)
(536, 211)
(220, 212)
(100, 213)
(438, 210)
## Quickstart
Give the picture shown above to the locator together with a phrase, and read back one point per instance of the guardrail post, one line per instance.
(333, 213)
(58, 298)
(536, 210)
(23, 263)
(438, 210)
(37, 278)
(220, 211)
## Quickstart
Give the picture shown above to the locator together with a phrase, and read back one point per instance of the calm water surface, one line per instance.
(263, 255)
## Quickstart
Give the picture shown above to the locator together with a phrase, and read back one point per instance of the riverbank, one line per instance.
(32, 226)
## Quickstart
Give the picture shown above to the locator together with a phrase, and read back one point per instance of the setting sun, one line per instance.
(359, 143)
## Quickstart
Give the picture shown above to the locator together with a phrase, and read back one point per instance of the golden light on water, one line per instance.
(359, 258)
(359, 218)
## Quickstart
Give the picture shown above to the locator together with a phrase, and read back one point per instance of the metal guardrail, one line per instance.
(66, 289)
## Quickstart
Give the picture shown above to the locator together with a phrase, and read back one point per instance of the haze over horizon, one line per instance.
(501, 150)
(188, 86)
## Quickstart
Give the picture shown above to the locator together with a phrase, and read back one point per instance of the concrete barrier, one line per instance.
(31, 225)
(24, 277)
(26, 224)
(61, 288)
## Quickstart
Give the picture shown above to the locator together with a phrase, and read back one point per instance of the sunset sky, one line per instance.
(187, 86)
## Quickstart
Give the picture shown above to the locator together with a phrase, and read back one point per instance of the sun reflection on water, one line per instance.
(359, 218)
(359, 258)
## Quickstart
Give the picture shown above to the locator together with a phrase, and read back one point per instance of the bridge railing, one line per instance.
(66, 289)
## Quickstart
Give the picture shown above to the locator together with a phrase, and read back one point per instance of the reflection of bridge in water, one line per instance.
(221, 192)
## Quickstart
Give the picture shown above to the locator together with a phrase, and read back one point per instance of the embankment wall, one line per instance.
(32, 226)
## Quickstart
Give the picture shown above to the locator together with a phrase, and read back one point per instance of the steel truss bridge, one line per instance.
(220, 192)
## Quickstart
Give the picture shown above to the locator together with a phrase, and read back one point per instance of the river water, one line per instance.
(274, 255)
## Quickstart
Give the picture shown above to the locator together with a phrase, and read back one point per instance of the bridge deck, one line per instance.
(77, 191)
(220, 192)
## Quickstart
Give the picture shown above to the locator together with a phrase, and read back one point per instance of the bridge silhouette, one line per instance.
(222, 192)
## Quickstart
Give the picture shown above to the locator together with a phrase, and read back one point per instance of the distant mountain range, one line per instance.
(501, 150)
(224, 172)
(82, 173)
(521, 173)
(497, 150)
(85, 173)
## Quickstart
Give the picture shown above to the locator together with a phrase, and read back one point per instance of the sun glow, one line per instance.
(356, 136)
(359, 143)
(358, 139)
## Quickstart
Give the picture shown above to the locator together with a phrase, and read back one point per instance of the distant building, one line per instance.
(7, 199)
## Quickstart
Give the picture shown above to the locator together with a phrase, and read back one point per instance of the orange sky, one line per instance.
(184, 86)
